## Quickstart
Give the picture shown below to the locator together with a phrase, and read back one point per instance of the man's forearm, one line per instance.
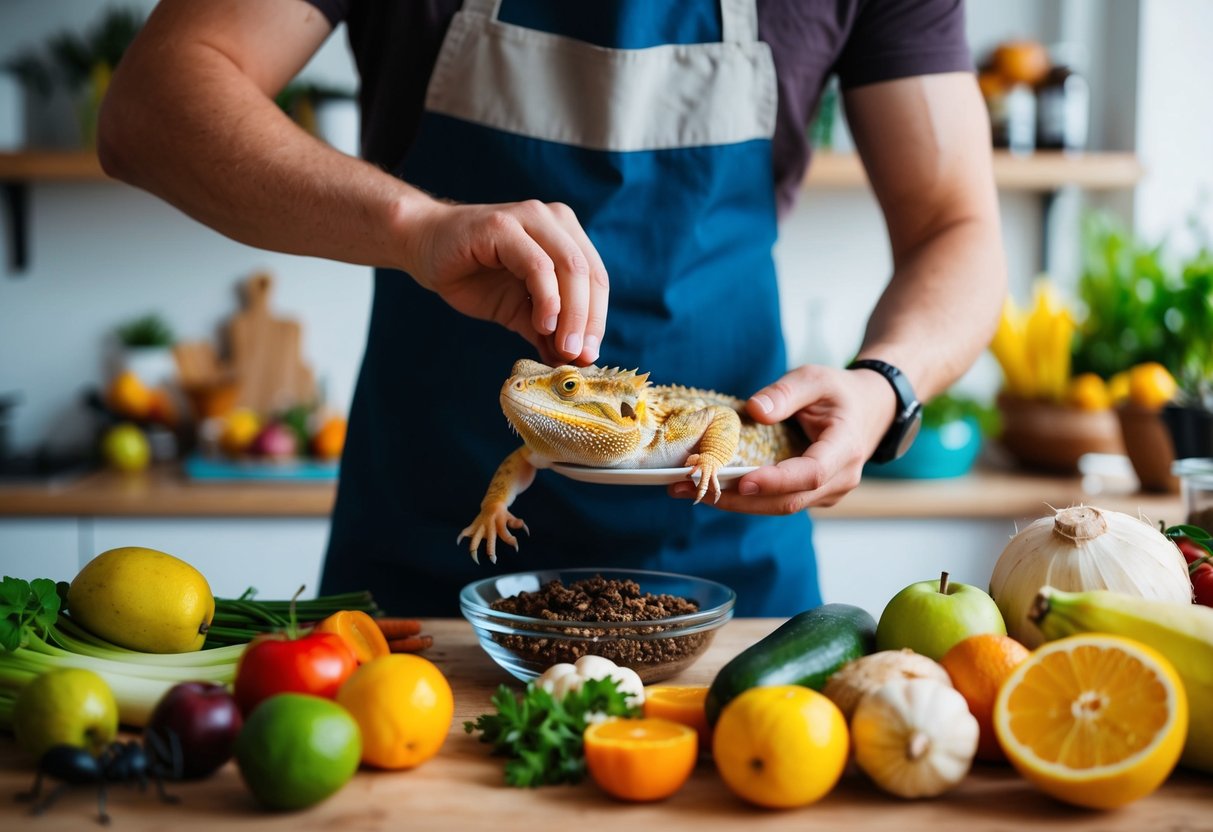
(230, 158)
(941, 307)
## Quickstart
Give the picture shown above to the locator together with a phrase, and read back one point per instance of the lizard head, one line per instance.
(587, 415)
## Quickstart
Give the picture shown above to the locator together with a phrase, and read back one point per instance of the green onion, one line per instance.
(240, 620)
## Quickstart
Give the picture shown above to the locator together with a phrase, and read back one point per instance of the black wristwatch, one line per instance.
(909, 411)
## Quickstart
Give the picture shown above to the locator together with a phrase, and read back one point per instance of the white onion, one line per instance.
(1083, 548)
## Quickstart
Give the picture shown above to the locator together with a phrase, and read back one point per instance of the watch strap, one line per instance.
(909, 410)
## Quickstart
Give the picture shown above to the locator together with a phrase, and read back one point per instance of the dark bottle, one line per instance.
(1063, 108)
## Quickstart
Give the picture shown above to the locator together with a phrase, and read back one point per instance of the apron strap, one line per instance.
(738, 19)
(488, 8)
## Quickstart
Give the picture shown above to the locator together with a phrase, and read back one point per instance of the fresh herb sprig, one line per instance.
(541, 734)
(27, 609)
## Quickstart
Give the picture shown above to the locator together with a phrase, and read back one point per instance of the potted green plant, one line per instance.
(1144, 311)
(147, 352)
(80, 63)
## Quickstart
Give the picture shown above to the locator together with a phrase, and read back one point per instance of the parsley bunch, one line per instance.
(542, 734)
(27, 608)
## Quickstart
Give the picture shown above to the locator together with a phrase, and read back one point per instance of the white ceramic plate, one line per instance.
(641, 476)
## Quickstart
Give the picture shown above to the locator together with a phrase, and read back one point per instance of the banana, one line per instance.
(1181, 632)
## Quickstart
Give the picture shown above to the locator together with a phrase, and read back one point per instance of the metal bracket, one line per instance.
(16, 205)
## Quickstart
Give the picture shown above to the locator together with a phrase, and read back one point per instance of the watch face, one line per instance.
(912, 425)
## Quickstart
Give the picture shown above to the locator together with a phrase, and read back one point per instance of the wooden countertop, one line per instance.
(991, 493)
(462, 787)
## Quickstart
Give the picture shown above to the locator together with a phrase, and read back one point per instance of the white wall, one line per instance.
(1175, 124)
(103, 253)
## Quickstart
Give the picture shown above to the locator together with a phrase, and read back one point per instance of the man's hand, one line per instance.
(844, 412)
(528, 266)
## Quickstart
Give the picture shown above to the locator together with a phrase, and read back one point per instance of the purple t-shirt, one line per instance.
(396, 42)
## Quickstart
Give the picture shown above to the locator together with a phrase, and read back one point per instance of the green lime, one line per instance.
(126, 448)
(295, 750)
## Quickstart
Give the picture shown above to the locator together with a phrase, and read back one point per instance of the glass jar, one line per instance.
(1196, 487)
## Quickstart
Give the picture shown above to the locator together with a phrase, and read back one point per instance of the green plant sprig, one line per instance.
(541, 734)
(28, 609)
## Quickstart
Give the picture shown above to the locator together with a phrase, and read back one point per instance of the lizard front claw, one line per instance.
(490, 524)
(708, 478)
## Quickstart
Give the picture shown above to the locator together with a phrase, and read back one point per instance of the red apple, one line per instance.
(205, 721)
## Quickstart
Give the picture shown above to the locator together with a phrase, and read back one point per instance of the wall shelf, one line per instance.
(1041, 171)
(1044, 172)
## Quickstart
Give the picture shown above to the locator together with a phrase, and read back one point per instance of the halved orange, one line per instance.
(640, 759)
(682, 704)
(1095, 720)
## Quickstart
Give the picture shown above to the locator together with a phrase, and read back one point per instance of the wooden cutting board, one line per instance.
(266, 353)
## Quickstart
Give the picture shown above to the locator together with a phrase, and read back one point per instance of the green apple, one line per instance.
(930, 616)
(65, 706)
(296, 750)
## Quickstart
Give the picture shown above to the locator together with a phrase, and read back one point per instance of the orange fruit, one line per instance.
(1151, 385)
(1087, 391)
(1021, 62)
(682, 704)
(978, 666)
(330, 439)
(403, 705)
(359, 632)
(640, 759)
(129, 396)
(781, 746)
(1095, 720)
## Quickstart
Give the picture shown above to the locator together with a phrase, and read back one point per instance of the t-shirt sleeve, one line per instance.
(901, 38)
(334, 10)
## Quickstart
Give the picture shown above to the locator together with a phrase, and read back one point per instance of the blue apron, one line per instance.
(653, 122)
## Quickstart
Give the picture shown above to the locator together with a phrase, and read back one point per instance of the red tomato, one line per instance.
(316, 663)
(1202, 578)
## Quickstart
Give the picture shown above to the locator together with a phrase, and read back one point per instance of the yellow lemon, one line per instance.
(1095, 720)
(240, 428)
(780, 746)
(144, 600)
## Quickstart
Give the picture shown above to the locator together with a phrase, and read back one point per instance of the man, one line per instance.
(528, 160)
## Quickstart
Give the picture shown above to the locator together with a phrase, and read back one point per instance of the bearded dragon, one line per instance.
(612, 418)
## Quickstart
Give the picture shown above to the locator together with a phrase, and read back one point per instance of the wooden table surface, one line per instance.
(462, 787)
(165, 492)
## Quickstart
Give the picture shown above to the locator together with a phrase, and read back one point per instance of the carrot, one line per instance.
(398, 627)
(410, 644)
(358, 631)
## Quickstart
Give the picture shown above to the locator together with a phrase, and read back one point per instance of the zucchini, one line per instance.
(806, 650)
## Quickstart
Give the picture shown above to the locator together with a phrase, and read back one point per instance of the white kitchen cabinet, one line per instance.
(275, 555)
(865, 562)
(37, 547)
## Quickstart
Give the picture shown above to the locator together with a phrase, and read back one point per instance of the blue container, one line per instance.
(948, 450)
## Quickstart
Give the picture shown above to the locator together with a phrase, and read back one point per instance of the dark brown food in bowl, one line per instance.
(601, 600)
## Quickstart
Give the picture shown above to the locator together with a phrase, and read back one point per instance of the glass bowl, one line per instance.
(656, 649)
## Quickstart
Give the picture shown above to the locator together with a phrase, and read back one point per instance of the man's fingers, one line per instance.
(599, 284)
(572, 266)
(779, 400)
(527, 259)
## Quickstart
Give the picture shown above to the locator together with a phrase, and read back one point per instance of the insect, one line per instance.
(119, 762)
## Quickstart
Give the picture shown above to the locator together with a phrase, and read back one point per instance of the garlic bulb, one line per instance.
(1083, 548)
(914, 737)
(562, 678)
(857, 678)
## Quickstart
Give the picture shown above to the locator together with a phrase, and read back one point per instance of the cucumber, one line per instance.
(806, 650)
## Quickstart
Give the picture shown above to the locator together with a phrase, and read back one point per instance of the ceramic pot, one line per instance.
(1051, 437)
(1149, 448)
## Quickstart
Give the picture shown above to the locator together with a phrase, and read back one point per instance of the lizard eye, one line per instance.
(569, 385)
